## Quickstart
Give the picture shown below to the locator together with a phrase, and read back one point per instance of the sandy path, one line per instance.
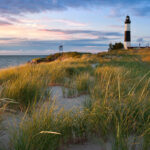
(73, 103)
(94, 65)
(67, 103)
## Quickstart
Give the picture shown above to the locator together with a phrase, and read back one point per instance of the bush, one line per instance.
(116, 46)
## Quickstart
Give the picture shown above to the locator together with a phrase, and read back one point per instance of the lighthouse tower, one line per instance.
(127, 38)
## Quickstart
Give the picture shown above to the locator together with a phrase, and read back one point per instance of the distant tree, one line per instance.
(115, 46)
(110, 47)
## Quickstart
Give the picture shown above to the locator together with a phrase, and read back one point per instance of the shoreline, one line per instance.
(9, 67)
(9, 61)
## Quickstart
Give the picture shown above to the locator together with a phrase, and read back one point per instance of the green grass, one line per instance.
(118, 105)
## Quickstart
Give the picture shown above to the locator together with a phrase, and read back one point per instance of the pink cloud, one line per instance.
(69, 22)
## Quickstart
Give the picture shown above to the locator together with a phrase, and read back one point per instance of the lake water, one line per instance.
(8, 61)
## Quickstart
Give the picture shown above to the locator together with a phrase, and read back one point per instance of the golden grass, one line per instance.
(119, 104)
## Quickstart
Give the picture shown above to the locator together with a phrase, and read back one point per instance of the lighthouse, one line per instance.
(127, 38)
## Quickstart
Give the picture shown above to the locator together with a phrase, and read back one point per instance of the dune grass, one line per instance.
(34, 129)
(118, 105)
(30, 82)
(112, 113)
(24, 84)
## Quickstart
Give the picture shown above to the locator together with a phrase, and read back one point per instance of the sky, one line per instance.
(38, 27)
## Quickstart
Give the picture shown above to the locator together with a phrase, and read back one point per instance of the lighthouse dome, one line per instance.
(127, 20)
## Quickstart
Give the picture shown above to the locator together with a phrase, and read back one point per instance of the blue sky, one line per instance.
(40, 26)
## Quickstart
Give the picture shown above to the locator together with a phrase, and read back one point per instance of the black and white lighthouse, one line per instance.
(127, 38)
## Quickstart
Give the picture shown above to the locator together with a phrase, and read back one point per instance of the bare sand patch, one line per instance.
(10, 121)
(90, 146)
(64, 102)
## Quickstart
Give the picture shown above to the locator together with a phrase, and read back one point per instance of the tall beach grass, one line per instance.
(118, 109)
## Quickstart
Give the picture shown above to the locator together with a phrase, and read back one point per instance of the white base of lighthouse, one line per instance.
(127, 45)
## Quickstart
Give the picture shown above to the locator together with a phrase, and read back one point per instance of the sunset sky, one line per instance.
(40, 26)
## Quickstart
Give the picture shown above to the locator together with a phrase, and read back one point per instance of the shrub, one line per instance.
(116, 46)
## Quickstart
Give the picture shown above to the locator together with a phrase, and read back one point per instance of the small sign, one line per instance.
(61, 48)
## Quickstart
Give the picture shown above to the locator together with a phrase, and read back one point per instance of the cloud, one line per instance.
(142, 11)
(34, 6)
(118, 27)
(13, 19)
(42, 45)
(69, 22)
(144, 40)
(92, 32)
(140, 40)
(77, 39)
(116, 12)
(5, 23)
